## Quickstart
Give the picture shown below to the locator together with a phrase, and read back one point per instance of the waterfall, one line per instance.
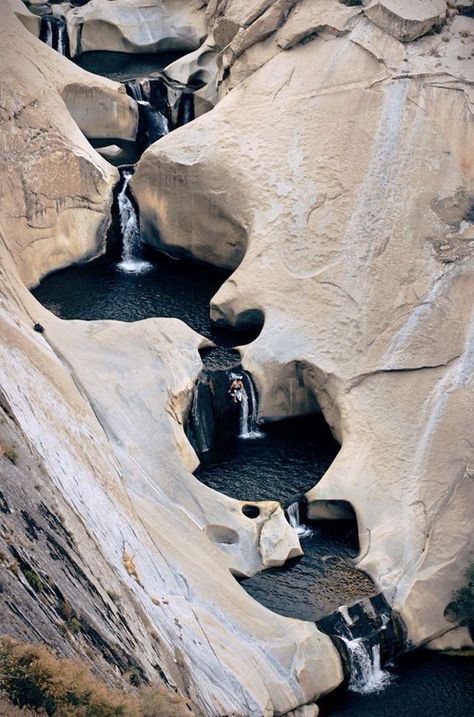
(152, 125)
(248, 409)
(293, 513)
(134, 89)
(366, 632)
(53, 32)
(185, 109)
(131, 260)
(367, 675)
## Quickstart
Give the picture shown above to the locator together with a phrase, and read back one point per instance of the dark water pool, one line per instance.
(424, 684)
(122, 66)
(168, 288)
(289, 459)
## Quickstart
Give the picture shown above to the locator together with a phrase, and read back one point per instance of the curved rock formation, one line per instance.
(136, 26)
(148, 544)
(341, 169)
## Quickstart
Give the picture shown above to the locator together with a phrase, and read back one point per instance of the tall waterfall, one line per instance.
(53, 32)
(214, 417)
(248, 409)
(131, 260)
(293, 513)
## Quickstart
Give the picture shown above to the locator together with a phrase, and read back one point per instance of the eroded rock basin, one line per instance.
(282, 464)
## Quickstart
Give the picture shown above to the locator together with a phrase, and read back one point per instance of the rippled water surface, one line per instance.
(101, 290)
(123, 66)
(426, 684)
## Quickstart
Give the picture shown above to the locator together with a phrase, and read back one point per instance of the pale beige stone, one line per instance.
(326, 168)
(136, 26)
(28, 19)
(457, 639)
(104, 410)
(406, 19)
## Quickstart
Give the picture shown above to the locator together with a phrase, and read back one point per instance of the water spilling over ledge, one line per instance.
(53, 32)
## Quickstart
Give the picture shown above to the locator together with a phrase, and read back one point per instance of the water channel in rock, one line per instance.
(280, 461)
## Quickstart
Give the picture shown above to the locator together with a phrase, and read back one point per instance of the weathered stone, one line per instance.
(335, 208)
(30, 21)
(168, 543)
(406, 19)
(136, 26)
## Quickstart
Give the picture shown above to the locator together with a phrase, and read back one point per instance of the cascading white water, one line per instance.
(293, 512)
(367, 675)
(248, 412)
(130, 231)
(53, 33)
(61, 43)
(48, 37)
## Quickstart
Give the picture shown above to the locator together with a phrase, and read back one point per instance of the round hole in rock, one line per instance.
(250, 511)
(222, 534)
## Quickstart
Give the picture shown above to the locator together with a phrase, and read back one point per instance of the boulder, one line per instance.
(56, 190)
(28, 19)
(136, 26)
(407, 19)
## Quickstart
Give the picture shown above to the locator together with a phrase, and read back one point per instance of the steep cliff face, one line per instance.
(114, 525)
(336, 177)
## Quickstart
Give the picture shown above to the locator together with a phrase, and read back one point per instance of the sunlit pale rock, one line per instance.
(343, 171)
(136, 25)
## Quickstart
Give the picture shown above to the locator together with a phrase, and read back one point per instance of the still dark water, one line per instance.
(289, 459)
(124, 66)
(101, 290)
(424, 684)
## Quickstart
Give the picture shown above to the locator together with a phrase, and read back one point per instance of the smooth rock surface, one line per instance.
(353, 211)
(100, 407)
(28, 19)
(136, 26)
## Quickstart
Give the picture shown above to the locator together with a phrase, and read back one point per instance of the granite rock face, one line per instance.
(336, 177)
(94, 414)
(56, 189)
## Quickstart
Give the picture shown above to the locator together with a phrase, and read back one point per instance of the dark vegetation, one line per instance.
(33, 681)
(463, 600)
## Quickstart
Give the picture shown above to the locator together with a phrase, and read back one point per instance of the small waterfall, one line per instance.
(153, 125)
(53, 32)
(185, 109)
(131, 260)
(367, 634)
(134, 89)
(367, 675)
(214, 417)
(293, 513)
(248, 408)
